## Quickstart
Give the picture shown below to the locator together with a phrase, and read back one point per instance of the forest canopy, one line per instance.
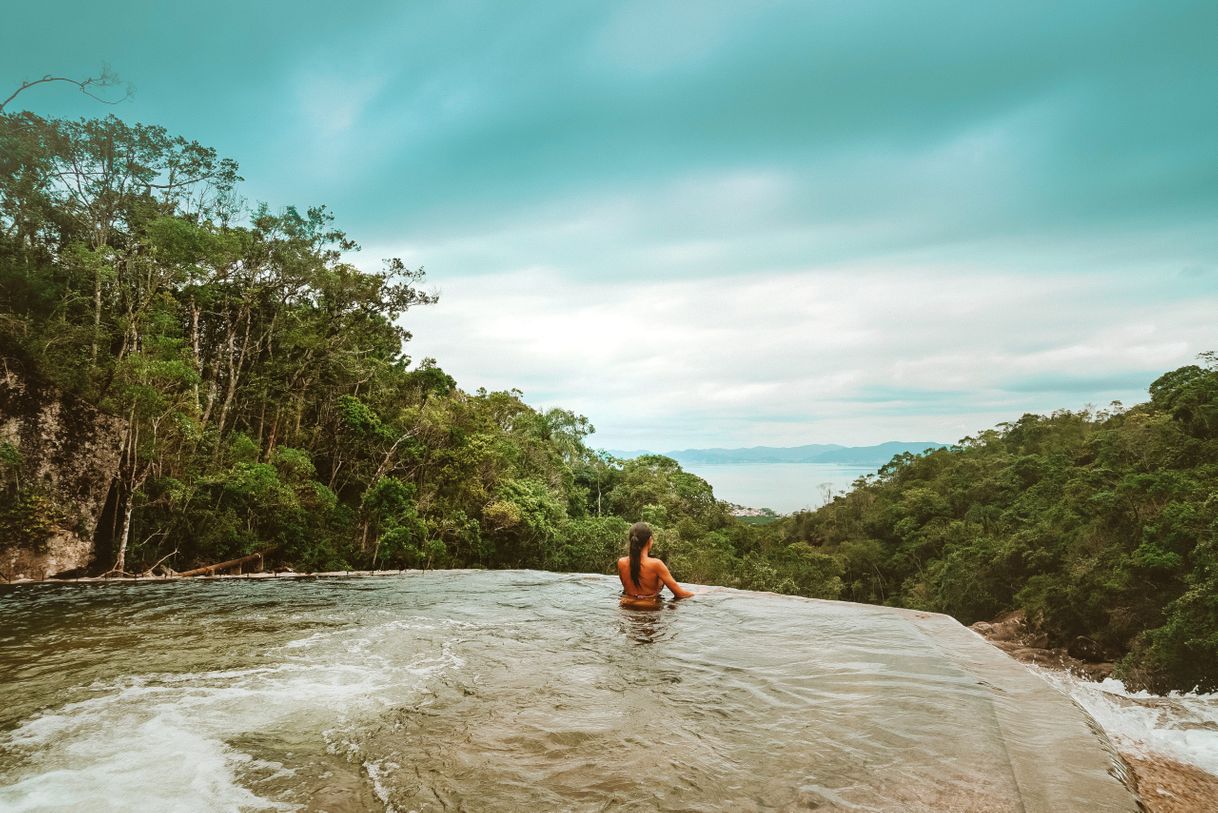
(268, 404)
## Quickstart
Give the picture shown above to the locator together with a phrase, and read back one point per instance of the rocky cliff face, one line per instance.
(62, 457)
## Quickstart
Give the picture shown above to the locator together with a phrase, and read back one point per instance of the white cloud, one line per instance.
(851, 355)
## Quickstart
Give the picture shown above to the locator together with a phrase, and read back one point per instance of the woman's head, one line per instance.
(640, 535)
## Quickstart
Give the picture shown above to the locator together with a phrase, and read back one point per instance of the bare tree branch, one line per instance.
(148, 572)
(105, 79)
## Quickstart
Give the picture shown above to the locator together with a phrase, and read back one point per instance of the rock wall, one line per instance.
(69, 454)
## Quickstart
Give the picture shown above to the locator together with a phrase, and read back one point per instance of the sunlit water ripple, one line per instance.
(519, 690)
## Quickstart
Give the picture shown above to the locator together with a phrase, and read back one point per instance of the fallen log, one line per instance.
(210, 570)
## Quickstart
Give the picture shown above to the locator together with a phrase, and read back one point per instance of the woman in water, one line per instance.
(643, 577)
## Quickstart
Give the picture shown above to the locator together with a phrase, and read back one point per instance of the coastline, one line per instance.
(1163, 783)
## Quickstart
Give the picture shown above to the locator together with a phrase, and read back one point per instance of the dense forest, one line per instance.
(1103, 525)
(269, 404)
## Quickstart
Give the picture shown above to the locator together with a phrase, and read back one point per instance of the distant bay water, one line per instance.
(784, 487)
(786, 478)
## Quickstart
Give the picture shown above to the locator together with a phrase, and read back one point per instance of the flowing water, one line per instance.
(517, 690)
(1181, 726)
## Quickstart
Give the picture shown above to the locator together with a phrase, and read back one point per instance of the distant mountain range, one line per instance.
(870, 456)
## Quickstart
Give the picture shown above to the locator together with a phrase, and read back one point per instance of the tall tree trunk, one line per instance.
(212, 392)
(273, 436)
(128, 464)
(299, 414)
(235, 362)
(262, 426)
(97, 311)
(120, 561)
(195, 349)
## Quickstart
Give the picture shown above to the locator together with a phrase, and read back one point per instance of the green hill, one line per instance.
(1097, 524)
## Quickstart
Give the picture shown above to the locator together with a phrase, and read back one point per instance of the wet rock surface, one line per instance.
(1164, 785)
(1014, 635)
(1168, 786)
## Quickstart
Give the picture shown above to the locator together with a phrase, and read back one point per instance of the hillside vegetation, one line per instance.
(1103, 525)
(268, 403)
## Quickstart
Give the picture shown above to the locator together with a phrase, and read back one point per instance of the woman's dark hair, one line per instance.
(640, 533)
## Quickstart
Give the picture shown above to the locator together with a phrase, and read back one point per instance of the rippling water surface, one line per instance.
(515, 691)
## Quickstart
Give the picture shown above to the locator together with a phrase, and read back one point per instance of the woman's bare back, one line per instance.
(653, 577)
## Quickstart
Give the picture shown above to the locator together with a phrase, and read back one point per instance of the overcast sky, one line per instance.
(724, 224)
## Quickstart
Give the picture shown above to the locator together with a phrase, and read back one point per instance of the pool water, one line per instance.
(519, 690)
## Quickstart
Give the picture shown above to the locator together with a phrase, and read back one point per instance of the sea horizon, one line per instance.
(781, 487)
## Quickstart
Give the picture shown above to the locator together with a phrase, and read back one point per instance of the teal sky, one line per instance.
(707, 223)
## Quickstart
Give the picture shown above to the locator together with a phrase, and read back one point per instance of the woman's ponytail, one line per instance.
(640, 534)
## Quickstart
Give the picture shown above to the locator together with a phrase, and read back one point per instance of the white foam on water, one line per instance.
(161, 742)
(1182, 726)
(376, 772)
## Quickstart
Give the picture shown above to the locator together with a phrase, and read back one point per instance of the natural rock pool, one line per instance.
(518, 690)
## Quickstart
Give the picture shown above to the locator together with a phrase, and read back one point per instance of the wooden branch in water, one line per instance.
(211, 569)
